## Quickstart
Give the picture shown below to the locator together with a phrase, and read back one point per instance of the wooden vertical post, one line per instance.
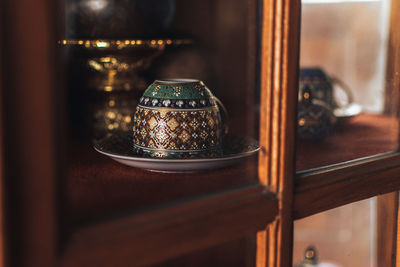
(389, 251)
(386, 229)
(392, 93)
(397, 236)
(28, 74)
(279, 75)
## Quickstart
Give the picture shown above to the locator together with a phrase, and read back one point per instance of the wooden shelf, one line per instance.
(364, 135)
(359, 167)
(97, 187)
(109, 204)
(170, 230)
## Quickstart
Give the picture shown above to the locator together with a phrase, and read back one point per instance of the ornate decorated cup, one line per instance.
(319, 82)
(323, 101)
(323, 87)
(178, 118)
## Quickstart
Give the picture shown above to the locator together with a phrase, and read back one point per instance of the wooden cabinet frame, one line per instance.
(279, 72)
(33, 229)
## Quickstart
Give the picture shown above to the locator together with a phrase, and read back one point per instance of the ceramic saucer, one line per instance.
(118, 146)
(347, 112)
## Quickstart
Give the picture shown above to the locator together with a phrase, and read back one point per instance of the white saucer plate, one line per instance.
(119, 147)
(347, 112)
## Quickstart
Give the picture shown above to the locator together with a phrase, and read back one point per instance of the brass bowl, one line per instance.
(115, 65)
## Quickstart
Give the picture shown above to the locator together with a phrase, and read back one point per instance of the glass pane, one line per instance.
(114, 50)
(342, 236)
(347, 91)
(348, 235)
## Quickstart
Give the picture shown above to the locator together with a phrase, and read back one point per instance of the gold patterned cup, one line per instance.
(178, 118)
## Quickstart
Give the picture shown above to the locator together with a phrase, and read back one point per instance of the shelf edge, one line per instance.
(165, 232)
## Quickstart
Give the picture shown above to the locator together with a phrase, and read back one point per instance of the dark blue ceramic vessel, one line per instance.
(319, 82)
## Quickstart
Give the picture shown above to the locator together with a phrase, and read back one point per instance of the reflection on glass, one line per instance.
(344, 236)
(111, 112)
(343, 109)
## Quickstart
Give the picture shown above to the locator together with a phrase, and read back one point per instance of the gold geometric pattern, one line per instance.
(172, 145)
(194, 146)
(211, 121)
(173, 123)
(176, 130)
(143, 133)
(151, 144)
(163, 114)
(194, 123)
(162, 136)
(152, 122)
(184, 136)
(203, 134)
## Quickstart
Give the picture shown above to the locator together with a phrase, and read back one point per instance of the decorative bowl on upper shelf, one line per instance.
(115, 65)
(112, 73)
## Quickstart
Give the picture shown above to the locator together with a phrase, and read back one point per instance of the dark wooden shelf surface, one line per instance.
(172, 230)
(97, 186)
(360, 160)
(362, 136)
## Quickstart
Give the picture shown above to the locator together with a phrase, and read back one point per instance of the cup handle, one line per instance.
(224, 115)
(345, 88)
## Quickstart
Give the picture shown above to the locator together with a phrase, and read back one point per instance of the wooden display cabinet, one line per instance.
(65, 205)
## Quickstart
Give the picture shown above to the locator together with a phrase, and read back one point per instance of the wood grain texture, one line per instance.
(363, 136)
(159, 234)
(97, 187)
(397, 245)
(392, 95)
(386, 229)
(333, 186)
(389, 247)
(390, 253)
(28, 49)
(279, 76)
(232, 254)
